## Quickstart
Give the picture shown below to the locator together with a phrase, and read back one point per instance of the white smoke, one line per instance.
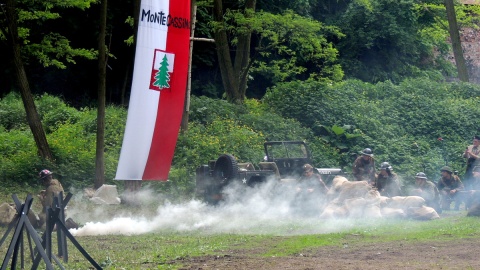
(269, 208)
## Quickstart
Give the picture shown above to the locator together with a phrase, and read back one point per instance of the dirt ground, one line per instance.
(459, 254)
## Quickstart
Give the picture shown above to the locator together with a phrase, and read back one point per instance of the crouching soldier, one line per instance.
(387, 181)
(427, 190)
(52, 189)
(450, 187)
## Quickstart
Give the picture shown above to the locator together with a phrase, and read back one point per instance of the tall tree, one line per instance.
(102, 77)
(44, 45)
(234, 71)
(32, 115)
(456, 43)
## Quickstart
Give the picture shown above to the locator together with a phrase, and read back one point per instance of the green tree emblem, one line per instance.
(162, 77)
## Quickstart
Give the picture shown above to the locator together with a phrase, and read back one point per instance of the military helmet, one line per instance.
(367, 152)
(385, 166)
(446, 169)
(44, 173)
(307, 167)
(421, 175)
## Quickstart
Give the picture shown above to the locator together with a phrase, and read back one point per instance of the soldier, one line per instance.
(364, 167)
(472, 154)
(427, 190)
(52, 189)
(387, 181)
(311, 182)
(310, 194)
(450, 187)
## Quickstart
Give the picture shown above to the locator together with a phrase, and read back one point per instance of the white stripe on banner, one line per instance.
(142, 111)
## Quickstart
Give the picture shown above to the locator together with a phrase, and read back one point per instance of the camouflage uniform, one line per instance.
(445, 185)
(364, 170)
(52, 189)
(388, 185)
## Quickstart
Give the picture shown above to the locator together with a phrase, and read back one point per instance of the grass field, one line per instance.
(168, 236)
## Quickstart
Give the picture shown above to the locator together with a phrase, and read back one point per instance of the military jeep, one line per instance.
(283, 162)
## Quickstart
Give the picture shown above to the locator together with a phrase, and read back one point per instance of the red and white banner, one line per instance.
(158, 90)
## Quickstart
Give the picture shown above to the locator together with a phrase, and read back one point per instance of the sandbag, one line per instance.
(388, 212)
(422, 213)
(333, 210)
(355, 207)
(405, 202)
(350, 190)
(372, 211)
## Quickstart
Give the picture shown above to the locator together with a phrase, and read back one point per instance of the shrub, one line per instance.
(12, 112)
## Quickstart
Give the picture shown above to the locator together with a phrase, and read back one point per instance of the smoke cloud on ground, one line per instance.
(270, 208)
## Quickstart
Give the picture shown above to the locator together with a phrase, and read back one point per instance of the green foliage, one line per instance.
(53, 111)
(217, 127)
(391, 40)
(41, 40)
(12, 112)
(19, 158)
(401, 123)
(293, 47)
(71, 135)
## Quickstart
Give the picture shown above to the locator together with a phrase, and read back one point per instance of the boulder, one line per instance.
(7, 214)
(106, 194)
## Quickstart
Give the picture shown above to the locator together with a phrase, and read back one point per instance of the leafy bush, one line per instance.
(12, 112)
(402, 123)
(393, 119)
(71, 135)
(53, 111)
(19, 158)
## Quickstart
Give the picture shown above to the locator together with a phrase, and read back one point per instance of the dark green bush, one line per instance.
(12, 112)
(392, 118)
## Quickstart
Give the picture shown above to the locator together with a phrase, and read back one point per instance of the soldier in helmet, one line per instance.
(387, 181)
(364, 167)
(427, 190)
(449, 186)
(311, 182)
(52, 189)
(310, 191)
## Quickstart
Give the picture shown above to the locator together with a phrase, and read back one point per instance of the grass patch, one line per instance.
(170, 249)
(375, 231)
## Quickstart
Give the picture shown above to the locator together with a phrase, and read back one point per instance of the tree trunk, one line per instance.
(229, 80)
(102, 74)
(456, 43)
(32, 115)
(242, 57)
(234, 72)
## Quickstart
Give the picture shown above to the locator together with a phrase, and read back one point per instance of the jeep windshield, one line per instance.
(291, 149)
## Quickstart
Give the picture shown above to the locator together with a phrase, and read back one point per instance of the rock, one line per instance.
(7, 214)
(106, 194)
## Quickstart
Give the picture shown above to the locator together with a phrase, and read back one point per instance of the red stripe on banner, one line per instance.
(170, 107)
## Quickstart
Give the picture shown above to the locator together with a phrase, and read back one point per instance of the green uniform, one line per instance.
(445, 185)
(388, 185)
